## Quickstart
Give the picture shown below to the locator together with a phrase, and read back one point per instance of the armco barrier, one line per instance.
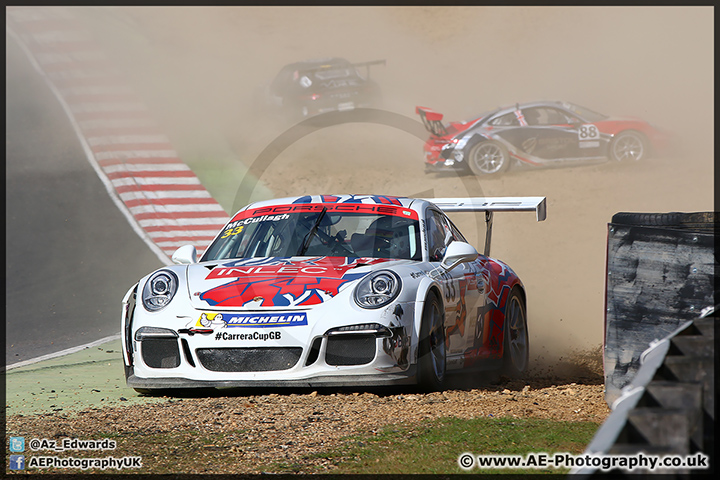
(669, 407)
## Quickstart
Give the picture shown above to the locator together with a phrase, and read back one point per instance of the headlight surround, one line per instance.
(159, 290)
(362, 328)
(378, 289)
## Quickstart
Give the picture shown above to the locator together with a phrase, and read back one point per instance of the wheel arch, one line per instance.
(474, 139)
(637, 132)
(128, 304)
(647, 144)
(426, 287)
(520, 288)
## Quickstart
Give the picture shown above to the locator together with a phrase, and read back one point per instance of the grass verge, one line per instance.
(434, 447)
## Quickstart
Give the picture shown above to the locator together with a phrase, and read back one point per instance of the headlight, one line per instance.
(159, 290)
(377, 289)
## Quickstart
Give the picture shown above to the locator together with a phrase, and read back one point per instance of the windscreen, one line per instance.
(366, 231)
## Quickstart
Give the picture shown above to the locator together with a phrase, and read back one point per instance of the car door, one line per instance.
(462, 297)
(549, 135)
(589, 141)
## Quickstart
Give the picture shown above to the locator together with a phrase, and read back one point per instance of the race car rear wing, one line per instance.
(367, 66)
(489, 205)
(432, 121)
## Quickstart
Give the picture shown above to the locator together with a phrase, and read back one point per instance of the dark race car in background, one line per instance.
(536, 134)
(311, 87)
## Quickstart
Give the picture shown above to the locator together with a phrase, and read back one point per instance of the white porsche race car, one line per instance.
(330, 290)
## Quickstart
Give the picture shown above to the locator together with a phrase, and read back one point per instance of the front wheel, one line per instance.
(488, 158)
(431, 349)
(628, 146)
(515, 338)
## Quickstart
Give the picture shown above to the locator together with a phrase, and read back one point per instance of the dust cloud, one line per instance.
(202, 70)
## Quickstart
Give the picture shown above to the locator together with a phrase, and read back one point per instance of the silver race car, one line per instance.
(330, 290)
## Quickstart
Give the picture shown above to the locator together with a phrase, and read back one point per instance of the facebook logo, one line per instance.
(17, 462)
(17, 444)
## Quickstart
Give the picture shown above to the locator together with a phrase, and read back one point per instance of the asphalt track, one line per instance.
(70, 253)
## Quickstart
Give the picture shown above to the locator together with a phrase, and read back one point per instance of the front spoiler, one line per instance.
(441, 167)
(408, 377)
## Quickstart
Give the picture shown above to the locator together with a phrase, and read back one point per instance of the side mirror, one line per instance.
(457, 253)
(185, 255)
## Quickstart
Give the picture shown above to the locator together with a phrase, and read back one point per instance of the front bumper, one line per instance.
(330, 360)
(184, 355)
(407, 377)
(443, 166)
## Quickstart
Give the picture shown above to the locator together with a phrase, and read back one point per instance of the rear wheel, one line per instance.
(628, 146)
(488, 158)
(515, 338)
(431, 350)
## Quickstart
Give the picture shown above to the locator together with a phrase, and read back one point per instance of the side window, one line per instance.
(544, 116)
(439, 235)
(457, 236)
(434, 237)
(556, 117)
(532, 116)
(507, 120)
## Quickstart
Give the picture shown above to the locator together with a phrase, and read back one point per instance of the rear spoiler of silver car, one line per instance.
(490, 205)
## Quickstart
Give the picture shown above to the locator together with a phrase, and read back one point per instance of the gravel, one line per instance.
(251, 429)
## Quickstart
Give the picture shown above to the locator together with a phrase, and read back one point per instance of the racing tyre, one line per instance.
(671, 219)
(431, 350)
(515, 339)
(488, 158)
(628, 146)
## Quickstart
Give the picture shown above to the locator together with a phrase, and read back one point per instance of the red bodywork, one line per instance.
(660, 140)
(439, 134)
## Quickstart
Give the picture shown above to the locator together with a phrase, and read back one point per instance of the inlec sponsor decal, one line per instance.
(270, 270)
(272, 320)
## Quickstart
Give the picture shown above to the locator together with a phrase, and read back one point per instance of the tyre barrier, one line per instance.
(661, 283)
(669, 407)
(661, 272)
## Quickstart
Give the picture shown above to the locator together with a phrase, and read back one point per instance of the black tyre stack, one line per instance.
(662, 283)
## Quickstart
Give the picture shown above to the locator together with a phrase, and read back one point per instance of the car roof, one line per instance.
(537, 103)
(502, 110)
(316, 63)
(404, 202)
